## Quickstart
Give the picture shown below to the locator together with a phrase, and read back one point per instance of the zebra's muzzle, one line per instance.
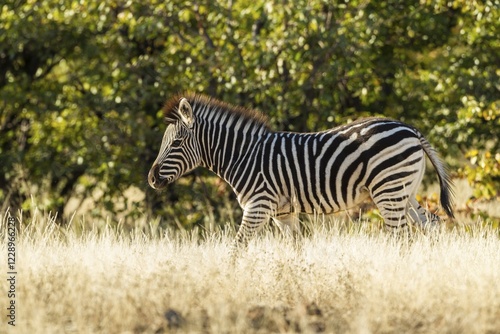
(154, 179)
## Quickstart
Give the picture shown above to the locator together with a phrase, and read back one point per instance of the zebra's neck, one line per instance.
(228, 141)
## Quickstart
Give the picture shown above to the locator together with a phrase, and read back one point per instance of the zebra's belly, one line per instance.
(315, 203)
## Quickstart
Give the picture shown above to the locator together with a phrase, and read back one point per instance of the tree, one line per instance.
(82, 85)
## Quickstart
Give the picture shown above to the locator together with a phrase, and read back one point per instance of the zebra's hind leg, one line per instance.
(394, 213)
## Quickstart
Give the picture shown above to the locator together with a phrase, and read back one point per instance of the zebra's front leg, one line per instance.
(421, 216)
(252, 222)
(288, 224)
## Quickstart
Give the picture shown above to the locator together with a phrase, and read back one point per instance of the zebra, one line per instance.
(280, 174)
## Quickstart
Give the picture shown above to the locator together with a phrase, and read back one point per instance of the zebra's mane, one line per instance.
(199, 102)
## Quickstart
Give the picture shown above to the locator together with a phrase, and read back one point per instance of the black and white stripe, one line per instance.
(279, 174)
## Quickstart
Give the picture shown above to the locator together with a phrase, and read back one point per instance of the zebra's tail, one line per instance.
(444, 178)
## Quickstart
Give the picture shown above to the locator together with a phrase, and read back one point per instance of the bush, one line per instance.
(82, 85)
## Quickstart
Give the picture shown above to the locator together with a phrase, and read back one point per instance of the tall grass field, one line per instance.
(339, 278)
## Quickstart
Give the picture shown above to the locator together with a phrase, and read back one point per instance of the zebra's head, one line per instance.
(179, 151)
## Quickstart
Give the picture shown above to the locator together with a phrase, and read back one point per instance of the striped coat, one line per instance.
(279, 174)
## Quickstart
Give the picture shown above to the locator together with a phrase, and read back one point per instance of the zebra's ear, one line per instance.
(186, 112)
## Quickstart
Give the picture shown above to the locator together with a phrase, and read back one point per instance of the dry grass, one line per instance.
(333, 281)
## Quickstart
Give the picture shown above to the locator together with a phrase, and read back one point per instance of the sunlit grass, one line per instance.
(342, 276)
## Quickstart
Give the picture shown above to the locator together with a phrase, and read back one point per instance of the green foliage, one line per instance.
(484, 173)
(82, 83)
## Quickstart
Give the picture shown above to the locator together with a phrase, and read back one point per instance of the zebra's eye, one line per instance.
(177, 142)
